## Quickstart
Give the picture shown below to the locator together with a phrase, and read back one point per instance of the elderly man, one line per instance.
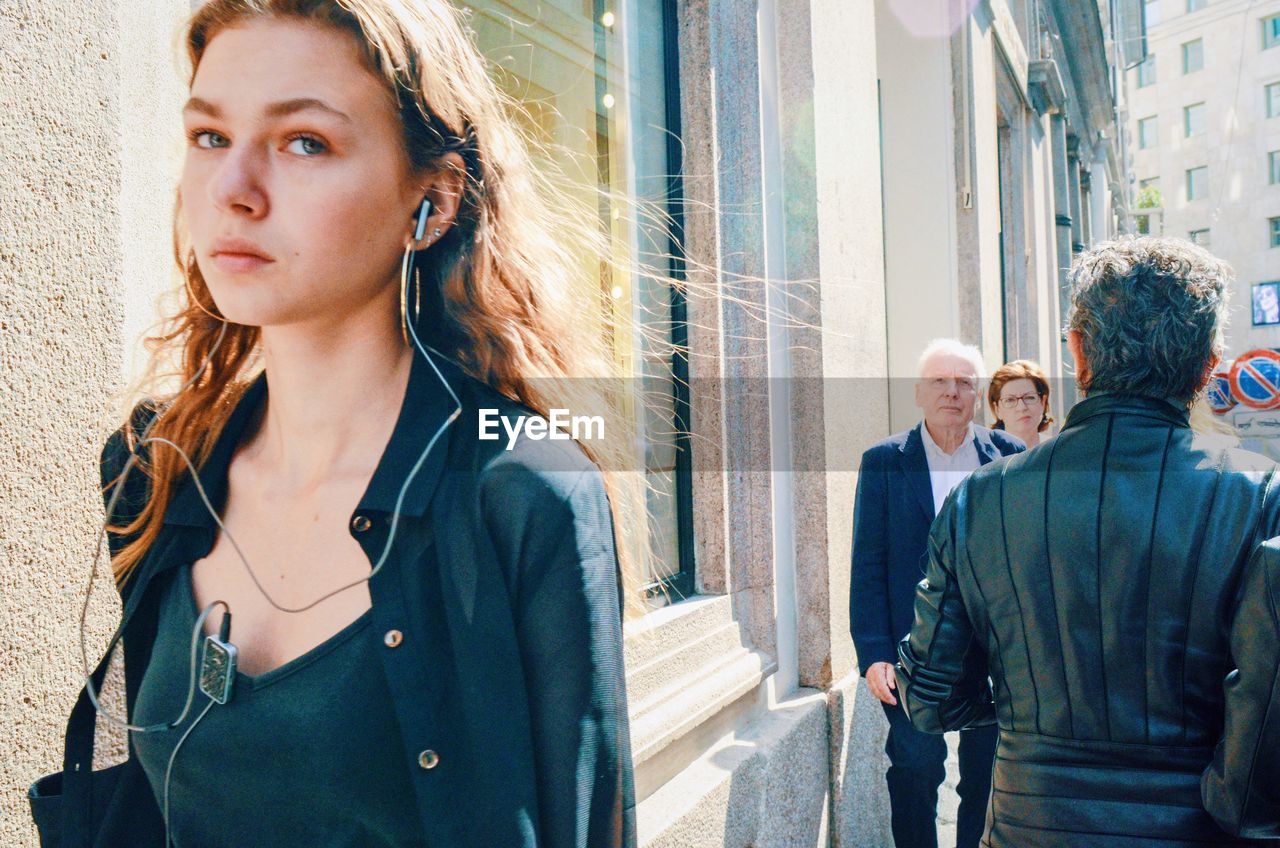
(902, 482)
(1114, 587)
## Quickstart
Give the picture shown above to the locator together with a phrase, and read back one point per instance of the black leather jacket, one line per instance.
(1104, 582)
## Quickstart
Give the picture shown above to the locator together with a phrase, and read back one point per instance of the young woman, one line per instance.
(426, 624)
(1018, 395)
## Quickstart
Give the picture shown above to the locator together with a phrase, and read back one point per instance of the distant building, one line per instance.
(1204, 131)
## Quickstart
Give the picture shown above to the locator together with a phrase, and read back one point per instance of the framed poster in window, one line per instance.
(1266, 303)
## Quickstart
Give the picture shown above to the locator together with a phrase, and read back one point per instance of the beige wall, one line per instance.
(85, 184)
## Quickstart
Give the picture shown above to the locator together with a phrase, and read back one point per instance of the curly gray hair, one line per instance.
(1150, 312)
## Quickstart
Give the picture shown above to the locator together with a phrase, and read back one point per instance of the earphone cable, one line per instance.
(168, 770)
(146, 439)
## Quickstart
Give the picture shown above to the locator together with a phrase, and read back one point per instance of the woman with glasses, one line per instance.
(1019, 399)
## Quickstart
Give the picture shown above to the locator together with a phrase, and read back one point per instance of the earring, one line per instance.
(409, 270)
(437, 232)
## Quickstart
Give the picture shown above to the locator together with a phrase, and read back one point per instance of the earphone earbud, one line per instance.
(423, 214)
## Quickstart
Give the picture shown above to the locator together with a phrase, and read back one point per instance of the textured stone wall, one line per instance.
(86, 176)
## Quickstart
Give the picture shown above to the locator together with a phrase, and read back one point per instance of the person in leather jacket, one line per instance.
(1109, 598)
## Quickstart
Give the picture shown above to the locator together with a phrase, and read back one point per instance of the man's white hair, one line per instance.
(951, 347)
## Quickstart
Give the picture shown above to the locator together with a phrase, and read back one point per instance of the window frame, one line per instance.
(683, 582)
(1273, 167)
(1188, 178)
(1146, 72)
(1270, 32)
(1155, 124)
(1186, 119)
(1186, 55)
(1275, 230)
(1271, 100)
(1191, 237)
(1147, 6)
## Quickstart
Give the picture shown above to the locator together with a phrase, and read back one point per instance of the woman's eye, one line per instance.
(207, 139)
(306, 145)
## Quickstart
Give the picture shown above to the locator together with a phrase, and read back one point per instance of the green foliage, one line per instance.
(1149, 198)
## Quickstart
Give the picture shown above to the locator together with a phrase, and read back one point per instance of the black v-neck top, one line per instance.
(502, 579)
(308, 753)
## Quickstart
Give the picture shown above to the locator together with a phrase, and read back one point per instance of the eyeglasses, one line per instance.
(1019, 400)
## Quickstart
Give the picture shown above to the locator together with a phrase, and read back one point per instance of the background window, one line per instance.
(596, 84)
(1195, 5)
(1270, 31)
(1149, 182)
(1273, 167)
(1193, 56)
(1197, 183)
(1193, 119)
(1151, 12)
(1147, 71)
(1275, 231)
(1200, 237)
(1147, 132)
(1272, 96)
(1266, 303)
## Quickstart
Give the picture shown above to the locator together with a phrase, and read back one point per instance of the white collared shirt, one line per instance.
(946, 470)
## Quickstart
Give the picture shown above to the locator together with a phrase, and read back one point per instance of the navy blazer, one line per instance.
(891, 517)
(504, 581)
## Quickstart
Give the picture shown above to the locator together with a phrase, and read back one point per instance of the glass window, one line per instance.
(1149, 182)
(1273, 167)
(1197, 183)
(1147, 71)
(1193, 56)
(1148, 132)
(1200, 237)
(595, 82)
(1274, 223)
(1271, 94)
(1193, 119)
(1151, 12)
(1266, 303)
(1270, 31)
(1195, 5)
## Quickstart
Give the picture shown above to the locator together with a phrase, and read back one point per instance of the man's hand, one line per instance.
(882, 682)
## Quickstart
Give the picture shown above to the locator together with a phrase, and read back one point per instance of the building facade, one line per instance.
(1204, 128)
(845, 180)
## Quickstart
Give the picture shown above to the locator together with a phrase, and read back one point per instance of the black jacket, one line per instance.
(891, 516)
(1104, 582)
(503, 579)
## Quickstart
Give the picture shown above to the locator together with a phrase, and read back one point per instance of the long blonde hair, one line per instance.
(504, 289)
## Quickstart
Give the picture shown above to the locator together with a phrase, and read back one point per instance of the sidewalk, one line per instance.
(948, 800)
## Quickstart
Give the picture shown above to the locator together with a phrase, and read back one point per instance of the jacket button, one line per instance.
(428, 759)
(361, 523)
(393, 638)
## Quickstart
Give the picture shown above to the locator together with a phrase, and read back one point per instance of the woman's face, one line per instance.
(296, 189)
(1020, 406)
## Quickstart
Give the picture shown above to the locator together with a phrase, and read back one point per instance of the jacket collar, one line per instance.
(914, 444)
(916, 460)
(1102, 403)
(426, 406)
